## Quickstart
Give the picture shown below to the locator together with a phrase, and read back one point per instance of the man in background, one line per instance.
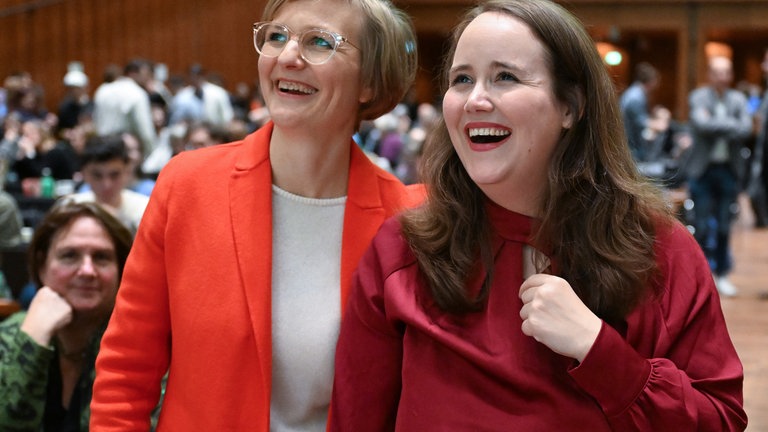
(720, 124)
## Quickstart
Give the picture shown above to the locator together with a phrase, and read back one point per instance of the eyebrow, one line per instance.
(495, 64)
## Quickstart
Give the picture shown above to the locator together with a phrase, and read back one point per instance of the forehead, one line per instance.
(80, 230)
(342, 16)
(502, 37)
(111, 165)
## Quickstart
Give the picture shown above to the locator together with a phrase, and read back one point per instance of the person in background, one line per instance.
(123, 105)
(106, 169)
(757, 187)
(201, 101)
(76, 102)
(10, 220)
(36, 150)
(635, 111)
(211, 292)
(544, 285)
(720, 124)
(47, 352)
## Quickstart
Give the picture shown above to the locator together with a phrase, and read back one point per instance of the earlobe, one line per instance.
(366, 95)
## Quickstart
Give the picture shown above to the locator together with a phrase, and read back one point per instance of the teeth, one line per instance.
(488, 132)
(295, 87)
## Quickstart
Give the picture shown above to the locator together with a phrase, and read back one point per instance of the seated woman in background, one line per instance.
(47, 353)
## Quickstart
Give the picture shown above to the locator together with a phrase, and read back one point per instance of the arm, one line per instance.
(135, 349)
(704, 121)
(23, 377)
(676, 368)
(368, 356)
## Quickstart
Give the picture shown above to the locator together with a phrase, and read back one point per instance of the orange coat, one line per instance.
(196, 292)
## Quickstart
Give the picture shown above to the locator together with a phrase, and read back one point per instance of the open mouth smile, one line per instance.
(487, 135)
(295, 88)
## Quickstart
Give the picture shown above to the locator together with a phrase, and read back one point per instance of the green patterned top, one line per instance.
(24, 376)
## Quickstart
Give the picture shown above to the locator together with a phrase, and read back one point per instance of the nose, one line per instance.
(291, 54)
(478, 99)
(86, 267)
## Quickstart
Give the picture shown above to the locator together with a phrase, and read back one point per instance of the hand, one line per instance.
(48, 313)
(27, 147)
(554, 315)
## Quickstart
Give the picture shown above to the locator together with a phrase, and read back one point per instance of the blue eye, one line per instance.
(317, 41)
(506, 76)
(277, 36)
(461, 79)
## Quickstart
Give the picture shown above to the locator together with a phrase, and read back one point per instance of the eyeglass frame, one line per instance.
(338, 39)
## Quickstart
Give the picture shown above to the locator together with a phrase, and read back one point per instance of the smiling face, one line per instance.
(501, 111)
(81, 265)
(320, 97)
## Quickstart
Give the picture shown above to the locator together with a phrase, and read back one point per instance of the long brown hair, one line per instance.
(598, 216)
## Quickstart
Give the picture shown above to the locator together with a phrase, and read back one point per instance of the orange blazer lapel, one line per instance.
(250, 188)
(363, 216)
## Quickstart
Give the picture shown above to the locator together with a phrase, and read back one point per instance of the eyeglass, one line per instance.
(316, 46)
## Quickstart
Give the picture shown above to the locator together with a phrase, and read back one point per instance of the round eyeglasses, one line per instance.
(316, 46)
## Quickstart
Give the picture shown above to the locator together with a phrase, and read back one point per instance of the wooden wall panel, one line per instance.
(42, 36)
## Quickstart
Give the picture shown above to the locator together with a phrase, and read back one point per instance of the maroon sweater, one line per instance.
(403, 364)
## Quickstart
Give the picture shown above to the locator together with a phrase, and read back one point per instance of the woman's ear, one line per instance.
(574, 108)
(366, 94)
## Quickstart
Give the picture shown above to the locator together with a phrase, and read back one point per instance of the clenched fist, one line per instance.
(554, 315)
(47, 313)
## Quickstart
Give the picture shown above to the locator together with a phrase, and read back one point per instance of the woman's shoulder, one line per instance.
(390, 247)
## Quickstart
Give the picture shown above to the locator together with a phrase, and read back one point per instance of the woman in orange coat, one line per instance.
(241, 264)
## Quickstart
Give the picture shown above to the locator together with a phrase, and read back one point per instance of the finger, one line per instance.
(527, 328)
(528, 294)
(532, 282)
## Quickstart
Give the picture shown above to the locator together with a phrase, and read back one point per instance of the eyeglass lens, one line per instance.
(315, 46)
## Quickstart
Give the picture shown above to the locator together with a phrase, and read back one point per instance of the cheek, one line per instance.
(55, 277)
(108, 277)
(265, 66)
(453, 107)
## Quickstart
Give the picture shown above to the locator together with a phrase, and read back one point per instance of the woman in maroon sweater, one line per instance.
(544, 285)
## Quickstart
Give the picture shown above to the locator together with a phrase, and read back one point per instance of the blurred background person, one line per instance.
(123, 105)
(720, 124)
(634, 105)
(47, 353)
(76, 102)
(202, 100)
(106, 169)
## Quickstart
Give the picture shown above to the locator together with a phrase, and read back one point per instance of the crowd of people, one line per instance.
(503, 260)
(714, 157)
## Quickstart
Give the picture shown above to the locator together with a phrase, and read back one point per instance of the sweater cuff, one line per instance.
(612, 372)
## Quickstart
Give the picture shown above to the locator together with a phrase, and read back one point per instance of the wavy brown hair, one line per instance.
(598, 216)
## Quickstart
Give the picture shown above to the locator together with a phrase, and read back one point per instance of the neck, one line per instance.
(73, 340)
(310, 166)
(525, 201)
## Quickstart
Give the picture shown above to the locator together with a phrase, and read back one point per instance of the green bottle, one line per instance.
(47, 184)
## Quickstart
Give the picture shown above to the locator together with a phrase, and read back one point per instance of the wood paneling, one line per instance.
(42, 36)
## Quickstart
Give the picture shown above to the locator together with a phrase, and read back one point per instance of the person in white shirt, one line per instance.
(202, 101)
(123, 105)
